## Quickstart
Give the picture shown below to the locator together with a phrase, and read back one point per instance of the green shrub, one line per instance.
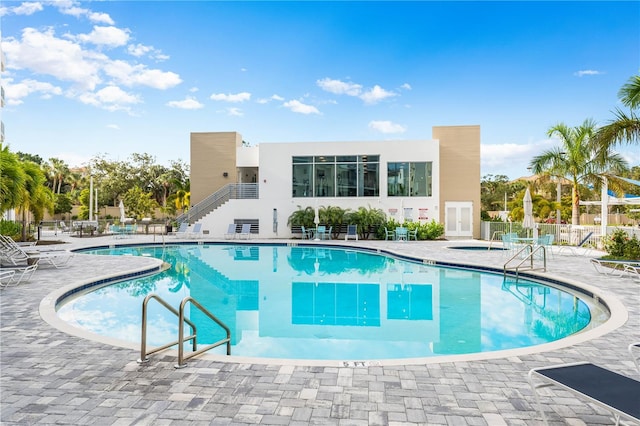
(11, 229)
(620, 246)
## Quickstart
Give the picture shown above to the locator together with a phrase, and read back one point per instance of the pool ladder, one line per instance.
(181, 337)
(526, 253)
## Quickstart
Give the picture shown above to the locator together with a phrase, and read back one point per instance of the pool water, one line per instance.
(331, 304)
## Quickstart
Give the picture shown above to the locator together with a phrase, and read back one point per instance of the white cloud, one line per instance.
(406, 86)
(106, 36)
(26, 8)
(375, 95)
(299, 107)
(385, 126)
(339, 87)
(69, 59)
(272, 98)
(15, 92)
(69, 7)
(235, 112)
(43, 53)
(131, 75)
(509, 158)
(113, 126)
(139, 50)
(111, 98)
(582, 73)
(237, 97)
(188, 103)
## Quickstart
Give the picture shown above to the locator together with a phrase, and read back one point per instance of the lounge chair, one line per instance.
(231, 231)
(12, 276)
(182, 231)
(633, 270)
(579, 249)
(352, 232)
(612, 391)
(196, 232)
(634, 351)
(15, 257)
(63, 227)
(245, 231)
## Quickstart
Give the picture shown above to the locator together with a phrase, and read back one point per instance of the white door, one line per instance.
(458, 219)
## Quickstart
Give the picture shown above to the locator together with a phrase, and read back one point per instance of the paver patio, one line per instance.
(51, 377)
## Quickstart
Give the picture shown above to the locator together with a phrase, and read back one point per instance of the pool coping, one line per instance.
(617, 311)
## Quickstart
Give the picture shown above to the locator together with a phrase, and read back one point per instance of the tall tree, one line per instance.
(36, 195)
(580, 159)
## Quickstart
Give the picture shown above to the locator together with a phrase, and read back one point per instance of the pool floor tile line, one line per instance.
(50, 377)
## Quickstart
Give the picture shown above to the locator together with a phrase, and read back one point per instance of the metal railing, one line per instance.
(526, 253)
(144, 353)
(232, 191)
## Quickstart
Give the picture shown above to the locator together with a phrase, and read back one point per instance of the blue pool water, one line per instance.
(325, 303)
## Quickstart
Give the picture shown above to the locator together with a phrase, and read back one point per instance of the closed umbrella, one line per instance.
(122, 216)
(527, 204)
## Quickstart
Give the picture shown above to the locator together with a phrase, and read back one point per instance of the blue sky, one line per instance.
(116, 77)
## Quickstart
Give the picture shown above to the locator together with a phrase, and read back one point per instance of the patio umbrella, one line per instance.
(527, 205)
(122, 216)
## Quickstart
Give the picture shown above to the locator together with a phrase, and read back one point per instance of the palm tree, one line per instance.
(12, 180)
(36, 196)
(625, 128)
(580, 160)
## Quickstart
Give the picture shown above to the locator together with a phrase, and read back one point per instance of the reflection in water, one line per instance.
(307, 302)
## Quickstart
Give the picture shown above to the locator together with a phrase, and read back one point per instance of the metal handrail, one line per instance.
(231, 191)
(181, 337)
(143, 340)
(493, 236)
(530, 256)
(181, 356)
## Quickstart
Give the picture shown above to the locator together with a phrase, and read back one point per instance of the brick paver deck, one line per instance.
(51, 377)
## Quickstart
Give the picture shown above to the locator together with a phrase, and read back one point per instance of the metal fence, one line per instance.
(564, 234)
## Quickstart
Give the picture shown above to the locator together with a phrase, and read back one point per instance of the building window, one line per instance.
(409, 179)
(336, 176)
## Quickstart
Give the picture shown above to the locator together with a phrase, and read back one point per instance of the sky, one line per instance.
(112, 78)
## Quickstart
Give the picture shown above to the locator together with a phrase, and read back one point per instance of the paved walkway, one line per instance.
(51, 377)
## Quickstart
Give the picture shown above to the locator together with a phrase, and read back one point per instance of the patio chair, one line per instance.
(579, 249)
(321, 230)
(305, 233)
(608, 389)
(352, 232)
(231, 231)
(245, 231)
(63, 227)
(389, 235)
(412, 234)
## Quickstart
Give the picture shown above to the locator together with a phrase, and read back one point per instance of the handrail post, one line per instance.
(181, 363)
(143, 339)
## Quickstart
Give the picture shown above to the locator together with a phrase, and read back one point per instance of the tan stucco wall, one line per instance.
(460, 168)
(212, 155)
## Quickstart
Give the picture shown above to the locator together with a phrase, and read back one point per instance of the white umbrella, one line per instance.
(527, 204)
(122, 216)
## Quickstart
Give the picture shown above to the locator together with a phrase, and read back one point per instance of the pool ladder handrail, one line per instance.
(530, 257)
(181, 337)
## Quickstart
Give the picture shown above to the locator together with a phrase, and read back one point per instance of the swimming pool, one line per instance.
(309, 302)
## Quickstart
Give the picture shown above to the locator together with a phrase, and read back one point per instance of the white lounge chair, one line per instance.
(13, 276)
(182, 231)
(196, 231)
(579, 249)
(245, 231)
(231, 232)
(352, 232)
(610, 390)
